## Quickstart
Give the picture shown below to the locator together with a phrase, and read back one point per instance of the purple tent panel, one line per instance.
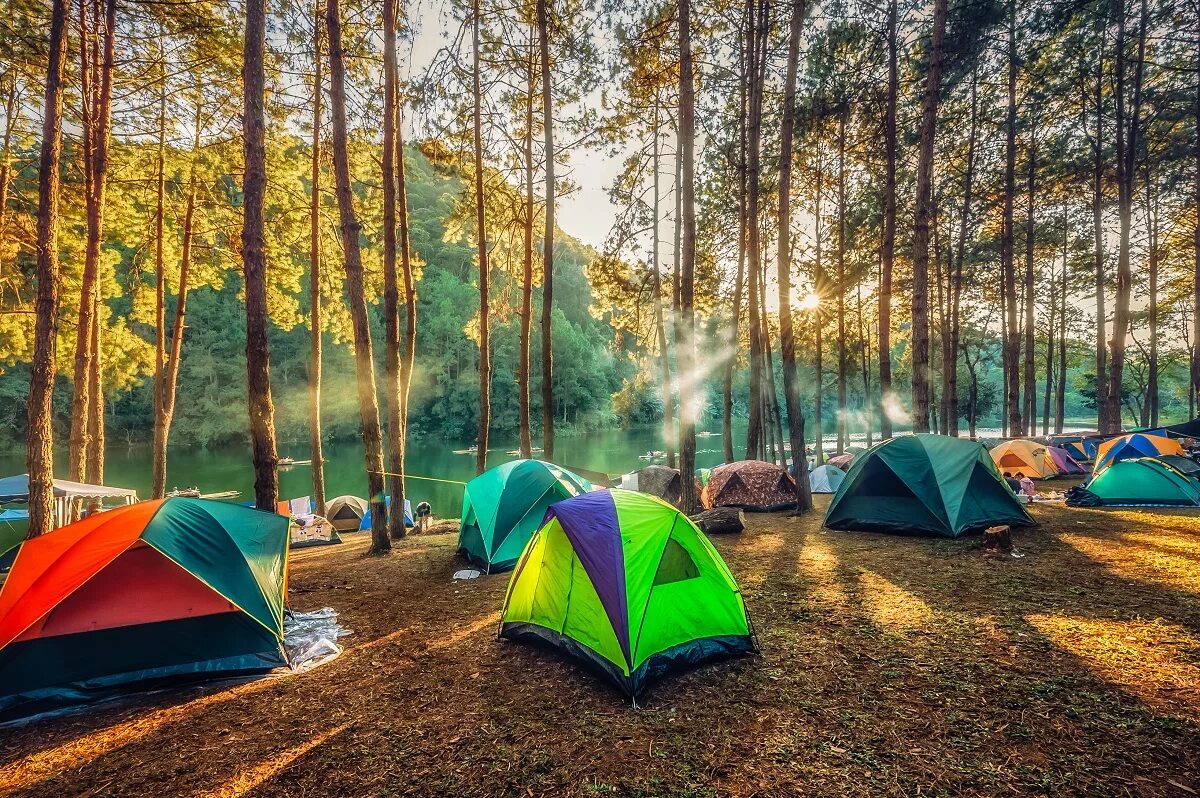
(590, 523)
(1064, 462)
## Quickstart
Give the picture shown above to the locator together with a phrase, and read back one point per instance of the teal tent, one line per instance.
(1145, 482)
(925, 484)
(504, 506)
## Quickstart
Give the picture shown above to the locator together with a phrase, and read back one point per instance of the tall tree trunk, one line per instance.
(1152, 391)
(368, 404)
(1012, 336)
(485, 348)
(543, 24)
(316, 325)
(525, 436)
(841, 286)
(660, 327)
(171, 375)
(943, 320)
(1196, 232)
(920, 298)
(888, 245)
(787, 338)
(158, 489)
(758, 25)
(1127, 148)
(960, 255)
(818, 327)
(40, 428)
(96, 95)
(1060, 391)
(1098, 164)
(1048, 389)
(864, 338)
(391, 289)
(687, 347)
(739, 279)
(408, 281)
(1030, 412)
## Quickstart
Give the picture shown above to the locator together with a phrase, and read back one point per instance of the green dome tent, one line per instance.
(625, 583)
(504, 506)
(926, 484)
(1145, 481)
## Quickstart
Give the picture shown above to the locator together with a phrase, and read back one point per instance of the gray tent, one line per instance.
(660, 481)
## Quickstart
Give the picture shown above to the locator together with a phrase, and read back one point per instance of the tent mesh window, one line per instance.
(676, 565)
(344, 513)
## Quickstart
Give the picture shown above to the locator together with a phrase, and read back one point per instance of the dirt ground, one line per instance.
(890, 666)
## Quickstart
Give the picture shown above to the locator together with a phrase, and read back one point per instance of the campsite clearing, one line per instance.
(890, 665)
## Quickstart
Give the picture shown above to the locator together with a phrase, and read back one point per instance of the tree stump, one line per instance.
(998, 538)
(720, 520)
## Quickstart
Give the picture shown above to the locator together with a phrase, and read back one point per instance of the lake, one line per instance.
(429, 461)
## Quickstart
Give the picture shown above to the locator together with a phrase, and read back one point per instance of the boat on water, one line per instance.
(651, 456)
(189, 493)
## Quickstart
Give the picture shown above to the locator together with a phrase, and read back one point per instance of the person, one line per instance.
(1013, 485)
(1026, 484)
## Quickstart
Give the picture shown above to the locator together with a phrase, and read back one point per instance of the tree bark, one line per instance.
(391, 291)
(171, 375)
(920, 299)
(96, 104)
(525, 436)
(364, 357)
(660, 327)
(1196, 231)
(888, 245)
(841, 283)
(739, 278)
(1060, 394)
(758, 24)
(960, 257)
(1152, 390)
(543, 23)
(485, 347)
(1127, 148)
(686, 347)
(1030, 411)
(787, 338)
(40, 429)
(316, 324)
(1012, 336)
(159, 468)
(1101, 386)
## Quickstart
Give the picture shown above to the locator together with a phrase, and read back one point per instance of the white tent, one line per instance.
(15, 490)
(826, 479)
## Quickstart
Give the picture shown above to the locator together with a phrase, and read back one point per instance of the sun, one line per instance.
(810, 301)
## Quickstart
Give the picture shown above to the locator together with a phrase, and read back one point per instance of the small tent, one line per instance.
(1026, 457)
(660, 481)
(1064, 462)
(1144, 481)
(365, 523)
(1128, 447)
(625, 583)
(927, 484)
(751, 484)
(826, 479)
(159, 591)
(346, 512)
(502, 507)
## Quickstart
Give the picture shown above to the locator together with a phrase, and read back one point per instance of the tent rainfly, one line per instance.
(925, 484)
(626, 584)
(149, 594)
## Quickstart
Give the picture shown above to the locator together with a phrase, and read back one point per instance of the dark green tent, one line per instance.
(504, 506)
(925, 484)
(1146, 482)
